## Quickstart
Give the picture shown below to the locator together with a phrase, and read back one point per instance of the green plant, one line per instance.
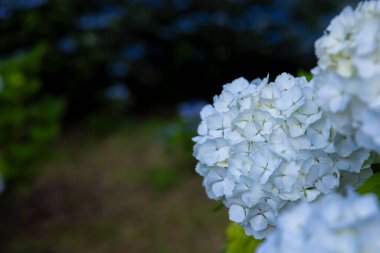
(238, 241)
(29, 120)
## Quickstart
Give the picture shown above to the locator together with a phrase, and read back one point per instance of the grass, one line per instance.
(121, 192)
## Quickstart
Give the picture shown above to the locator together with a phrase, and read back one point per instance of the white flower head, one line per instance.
(347, 78)
(332, 224)
(263, 145)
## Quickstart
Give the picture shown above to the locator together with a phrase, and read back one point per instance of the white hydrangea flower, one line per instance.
(332, 224)
(347, 78)
(263, 145)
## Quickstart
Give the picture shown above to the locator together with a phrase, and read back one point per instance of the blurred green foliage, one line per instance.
(163, 179)
(306, 74)
(238, 241)
(29, 120)
(178, 135)
(372, 185)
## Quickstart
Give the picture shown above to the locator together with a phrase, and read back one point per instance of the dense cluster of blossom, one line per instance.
(264, 145)
(333, 224)
(347, 78)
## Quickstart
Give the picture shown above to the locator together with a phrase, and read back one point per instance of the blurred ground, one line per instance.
(122, 192)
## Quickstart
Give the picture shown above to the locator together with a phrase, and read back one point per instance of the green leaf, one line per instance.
(306, 74)
(372, 185)
(238, 241)
(218, 207)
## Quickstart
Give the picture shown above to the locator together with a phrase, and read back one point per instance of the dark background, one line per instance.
(163, 51)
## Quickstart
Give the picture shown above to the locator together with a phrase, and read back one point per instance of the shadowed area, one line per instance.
(123, 192)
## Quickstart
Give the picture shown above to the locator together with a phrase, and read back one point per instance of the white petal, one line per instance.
(207, 111)
(259, 222)
(218, 189)
(236, 213)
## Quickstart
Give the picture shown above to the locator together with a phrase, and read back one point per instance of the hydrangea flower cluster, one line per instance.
(332, 224)
(264, 145)
(347, 78)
